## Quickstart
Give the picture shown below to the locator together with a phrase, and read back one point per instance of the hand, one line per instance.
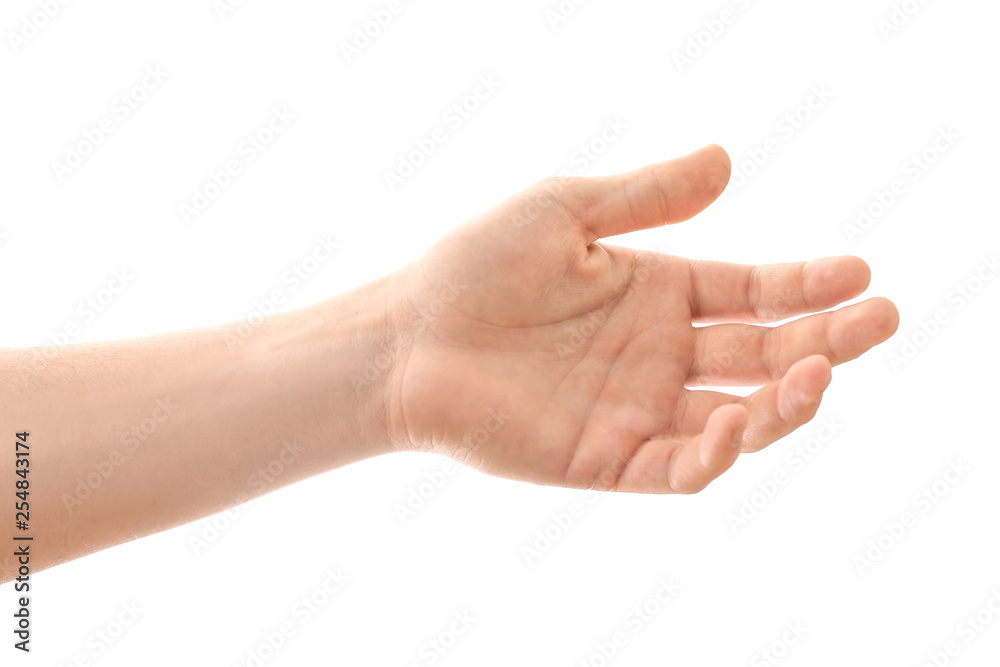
(535, 352)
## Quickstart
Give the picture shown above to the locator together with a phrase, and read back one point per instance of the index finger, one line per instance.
(723, 292)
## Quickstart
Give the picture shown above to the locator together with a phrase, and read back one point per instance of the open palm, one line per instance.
(536, 352)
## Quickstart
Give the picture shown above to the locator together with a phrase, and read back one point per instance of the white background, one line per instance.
(794, 561)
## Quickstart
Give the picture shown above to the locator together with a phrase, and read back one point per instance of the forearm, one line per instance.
(132, 437)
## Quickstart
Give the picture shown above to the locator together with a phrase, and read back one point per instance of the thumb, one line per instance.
(651, 196)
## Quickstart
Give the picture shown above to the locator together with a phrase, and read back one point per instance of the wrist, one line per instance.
(332, 364)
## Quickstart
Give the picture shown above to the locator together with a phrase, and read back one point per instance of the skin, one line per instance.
(519, 344)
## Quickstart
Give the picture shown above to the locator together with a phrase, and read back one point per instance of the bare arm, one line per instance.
(128, 438)
(519, 345)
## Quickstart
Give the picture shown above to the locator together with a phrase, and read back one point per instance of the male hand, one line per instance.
(531, 350)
